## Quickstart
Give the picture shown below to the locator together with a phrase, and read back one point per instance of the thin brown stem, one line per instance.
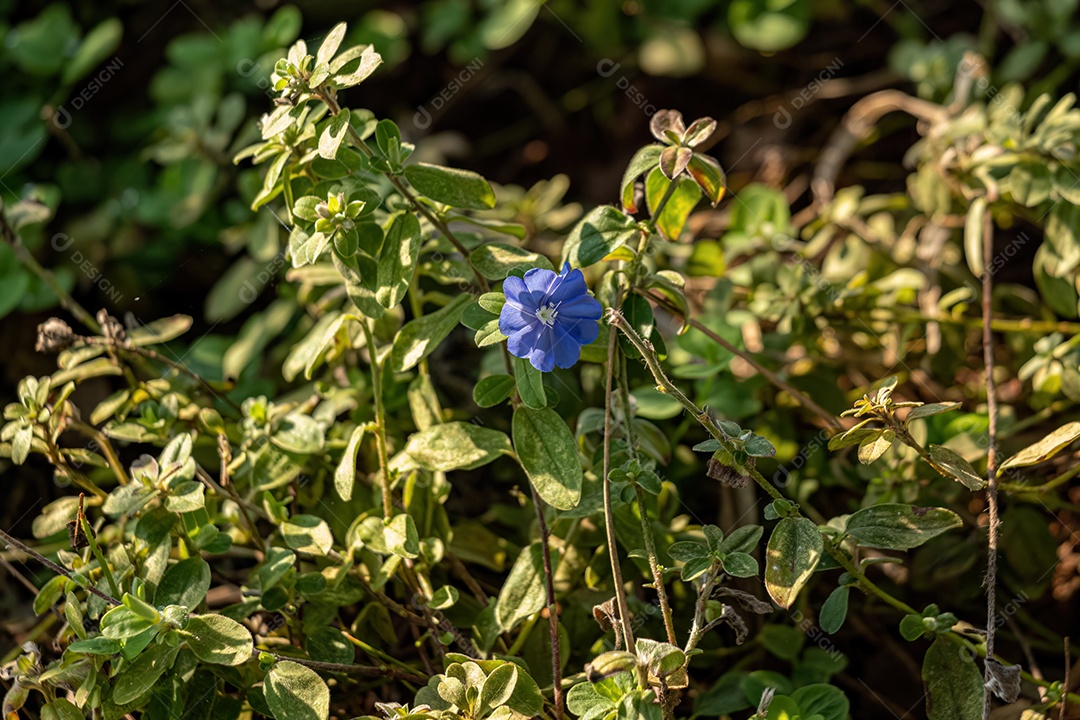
(552, 607)
(609, 516)
(991, 454)
(643, 508)
(59, 569)
(765, 372)
(380, 421)
(376, 671)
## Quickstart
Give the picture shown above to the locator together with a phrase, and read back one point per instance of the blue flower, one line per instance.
(548, 317)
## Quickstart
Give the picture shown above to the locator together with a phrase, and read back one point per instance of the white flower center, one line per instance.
(547, 314)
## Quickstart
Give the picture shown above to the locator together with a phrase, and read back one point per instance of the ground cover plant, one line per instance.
(713, 445)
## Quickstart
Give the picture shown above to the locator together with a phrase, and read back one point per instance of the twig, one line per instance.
(991, 455)
(856, 125)
(59, 569)
(765, 372)
(1068, 679)
(609, 516)
(80, 518)
(380, 420)
(646, 526)
(380, 671)
(552, 608)
(158, 357)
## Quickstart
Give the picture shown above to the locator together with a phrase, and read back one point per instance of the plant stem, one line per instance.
(552, 608)
(765, 372)
(609, 517)
(991, 457)
(380, 671)
(380, 420)
(643, 508)
(106, 449)
(95, 549)
(59, 569)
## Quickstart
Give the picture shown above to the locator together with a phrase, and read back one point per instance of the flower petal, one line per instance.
(571, 285)
(513, 287)
(542, 356)
(582, 331)
(522, 343)
(515, 318)
(567, 350)
(540, 283)
(584, 307)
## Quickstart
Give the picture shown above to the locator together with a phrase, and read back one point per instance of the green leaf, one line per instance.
(523, 593)
(687, 550)
(20, 444)
(397, 259)
(492, 302)
(489, 334)
(49, 594)
(99, 44)
(957, 467)
(874, 445)
(912, 627)
(456, 446)
(308, 533)
(931, 409)
(299, 433)
(639, 314)
(599, 233)
(954, 685)
(330, 44)
(1029, 183)
(345, 473)
(217, 639)
(445, 597)
(495, 261)
(643, 161)
(185, 583)
(548, 452)
(401, 536)
(793, 552)
(96, 646)
(695, 567)
(187, 496)
(498, 687)
(358, 70)
(742, 539)
(530, 383)
(143, 673)
(899, 527)
(278, 562)
(1046, 448)
(741, 565)
(121, 623)
(309, 353)
(973, 235)
(421, 336)
(333, 134)
(677, 209)
(834, 610)
(492, 390)
(823, 701)
(328, 644)
(450, 186)
(295, 692)
(709, 177)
